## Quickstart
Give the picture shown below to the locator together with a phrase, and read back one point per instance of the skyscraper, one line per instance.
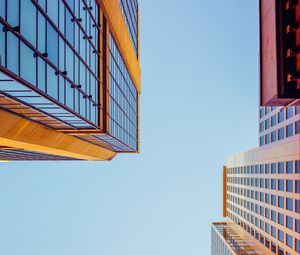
(69, 79)
(261, 187)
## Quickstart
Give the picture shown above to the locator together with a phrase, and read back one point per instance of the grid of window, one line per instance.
(52, 45)
(123, 100)
(258, 195)
(130, 13)
(277, 124)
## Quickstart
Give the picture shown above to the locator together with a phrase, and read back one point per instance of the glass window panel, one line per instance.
(289, 167)
(28, 22)
(28, 65)
(61, 95)
(12, 53)
(13, 12)
(52, 82)
(289, 112)
(297, 166)
(2, 9)
(297, 127)
(52, 45)
(289, 222)
(289, 204)
(41, 33)
(297, 226)
(41, 75)
(69, 28)
(69, 96)
(70, 63)
(52, 11)
(61, 54)
(289, 130)
(2, 46)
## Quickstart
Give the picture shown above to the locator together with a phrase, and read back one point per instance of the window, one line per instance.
(289, 112)
(273, 184)
(52, 44)
(274, 216)
(2, 9)
(281, 219)
(267, 213)
(289, 185)
(289, 222)
(273, 248)
(28, 22)
(281, 185)
(280, 116)
(261, 112)
(267, 183)
(289, 167)
(262, 126)
(297, 205)
(297, 166)
(280, 236)
(289, 204)
(297, 226)
(297, 242)
(273, 168)
(281, 201)
(267, 124)
(281, 133)
(267, 244)
(12, 54)
(297, 186)
(262, 168)
(274, 200)
(267, 168)
(274, 136)
(28, 64)
(2, 42)
(267, 199)
(273, 120)
(297, 127)
(289, 130)
(262, 141)
(280, 251)
(289, 241)
(267, 228)
(281, 168)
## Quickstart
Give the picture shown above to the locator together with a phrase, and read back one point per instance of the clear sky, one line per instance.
(199, 104)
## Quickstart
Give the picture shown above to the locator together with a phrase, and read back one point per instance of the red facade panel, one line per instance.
(279, 52)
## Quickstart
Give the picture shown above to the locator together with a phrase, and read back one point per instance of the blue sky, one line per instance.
(199, 104)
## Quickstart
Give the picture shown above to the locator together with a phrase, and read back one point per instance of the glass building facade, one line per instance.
(130, 10)
(66, 65)
(52, 47)
(123, 100)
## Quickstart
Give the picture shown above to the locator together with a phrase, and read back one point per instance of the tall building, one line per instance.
(261, 191)
(261, 187)
(69, 79)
